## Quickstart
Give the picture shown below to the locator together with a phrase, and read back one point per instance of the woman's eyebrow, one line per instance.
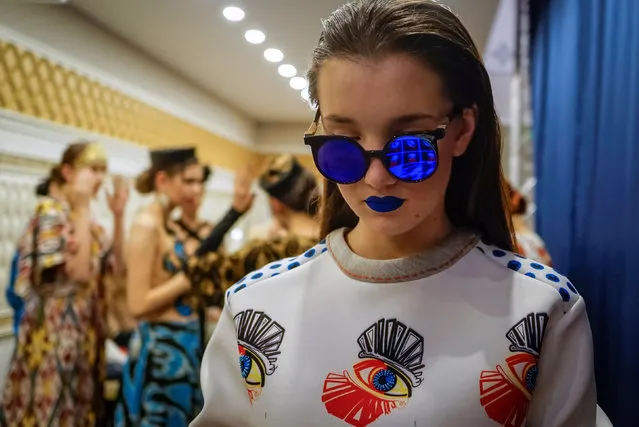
(401, 120)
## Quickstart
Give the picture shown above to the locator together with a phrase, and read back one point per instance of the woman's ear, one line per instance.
(468, 122)
(68, 172)
(161, 179)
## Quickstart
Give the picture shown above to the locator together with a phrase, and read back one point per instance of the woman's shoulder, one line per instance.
(532, 272)
(300, 251)
(145, 218)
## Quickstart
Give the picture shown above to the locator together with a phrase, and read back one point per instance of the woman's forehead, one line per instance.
(397, 85)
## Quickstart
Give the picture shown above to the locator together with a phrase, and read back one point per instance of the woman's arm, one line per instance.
(141, 297)
(565, 394)
(117, 204)
(117, 247)
(215, 238)
(242, 202)
(78, 265)
(226, 401)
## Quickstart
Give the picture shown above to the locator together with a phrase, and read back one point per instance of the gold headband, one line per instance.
(92, 155)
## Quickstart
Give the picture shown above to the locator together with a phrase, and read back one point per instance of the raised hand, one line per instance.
(242, 195)
(118, 199)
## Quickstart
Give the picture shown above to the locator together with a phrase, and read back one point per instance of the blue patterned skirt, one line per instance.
(161, 380)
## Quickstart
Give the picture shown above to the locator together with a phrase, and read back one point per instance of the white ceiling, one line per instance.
(192, 38)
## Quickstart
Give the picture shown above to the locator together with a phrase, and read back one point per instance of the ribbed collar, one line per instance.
(414, 267)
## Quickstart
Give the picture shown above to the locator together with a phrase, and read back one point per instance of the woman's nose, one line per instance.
(377, 176)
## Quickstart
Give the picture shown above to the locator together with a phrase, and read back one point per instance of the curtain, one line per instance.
(585, 88)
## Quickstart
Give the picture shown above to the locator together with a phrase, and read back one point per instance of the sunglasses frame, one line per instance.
(317, 141)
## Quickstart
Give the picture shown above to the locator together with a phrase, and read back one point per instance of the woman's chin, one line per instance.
(389, 224)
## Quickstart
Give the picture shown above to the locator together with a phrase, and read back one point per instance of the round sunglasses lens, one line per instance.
(411, 158)
(342, 161)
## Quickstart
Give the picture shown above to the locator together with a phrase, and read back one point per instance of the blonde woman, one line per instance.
(56, 374)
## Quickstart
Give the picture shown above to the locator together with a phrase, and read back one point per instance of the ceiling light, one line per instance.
(298, 83)
(286, 70)
(232, 13)
(273, 55)
(305, 95)
(255, 36)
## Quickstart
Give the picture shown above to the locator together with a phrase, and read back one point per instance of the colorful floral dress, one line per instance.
(56, 374)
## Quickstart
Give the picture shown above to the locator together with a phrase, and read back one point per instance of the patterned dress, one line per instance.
(56, 374)
(161, 379)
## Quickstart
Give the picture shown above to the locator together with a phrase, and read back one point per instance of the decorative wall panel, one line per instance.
(39, 87)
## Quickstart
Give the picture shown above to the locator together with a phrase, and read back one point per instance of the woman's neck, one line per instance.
(372, 244)
(162, 210)
(189, 219)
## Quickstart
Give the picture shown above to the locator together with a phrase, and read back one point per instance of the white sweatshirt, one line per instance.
(465, 334)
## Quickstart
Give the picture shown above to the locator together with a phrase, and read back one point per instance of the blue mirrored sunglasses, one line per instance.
(411, 157)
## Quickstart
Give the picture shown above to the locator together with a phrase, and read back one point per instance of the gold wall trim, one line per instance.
(39, 87)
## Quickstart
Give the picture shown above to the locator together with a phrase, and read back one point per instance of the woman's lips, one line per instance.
(384, 204)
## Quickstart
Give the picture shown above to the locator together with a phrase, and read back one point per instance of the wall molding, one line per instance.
(37, 86)
(134, 91)
(42, 140)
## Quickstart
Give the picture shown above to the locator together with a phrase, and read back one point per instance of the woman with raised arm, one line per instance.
(203, 237)
(414, 310)
(293, 194)
(56, 374)
(160, 384)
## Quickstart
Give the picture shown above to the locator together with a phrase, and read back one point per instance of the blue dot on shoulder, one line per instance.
(309, 253)
(564, 294)
(481, 250)
(275, 274)
(275, 266)
(257, 276)
(531, 275)
(293, 265)
(514, 265)
(499, 253)
(536, 266)
(322, 242)
(324, 250)
(552, 277)
(571, 287)
(239, 288)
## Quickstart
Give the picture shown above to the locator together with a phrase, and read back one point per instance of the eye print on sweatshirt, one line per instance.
(259, 340)
(506, 391)
(390, 367)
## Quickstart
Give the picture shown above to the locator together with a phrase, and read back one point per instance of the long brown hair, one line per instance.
(145, 182)
(429, 31)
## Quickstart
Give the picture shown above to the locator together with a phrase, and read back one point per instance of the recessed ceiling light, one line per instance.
(305, 95)
(233, 14)
(298, 83)
(273, 55)
(255, 36)
(286, 70)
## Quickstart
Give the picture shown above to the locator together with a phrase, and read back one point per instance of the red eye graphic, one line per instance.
(506, 392)
(374, 389)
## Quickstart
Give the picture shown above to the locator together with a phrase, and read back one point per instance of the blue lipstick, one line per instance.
(384, 204)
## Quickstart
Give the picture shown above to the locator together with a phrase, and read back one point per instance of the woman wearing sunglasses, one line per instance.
(414, 311)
